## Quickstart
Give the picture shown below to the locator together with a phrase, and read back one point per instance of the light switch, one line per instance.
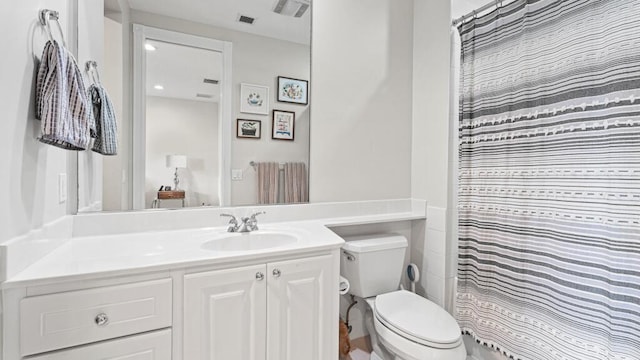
(236, 174)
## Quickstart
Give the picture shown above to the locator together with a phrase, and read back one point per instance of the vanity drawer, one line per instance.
(151, 346)
(57, 321)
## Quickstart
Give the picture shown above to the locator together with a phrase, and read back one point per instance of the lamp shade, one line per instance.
(176, 161)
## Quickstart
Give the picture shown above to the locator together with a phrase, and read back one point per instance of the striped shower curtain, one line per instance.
(549, 180)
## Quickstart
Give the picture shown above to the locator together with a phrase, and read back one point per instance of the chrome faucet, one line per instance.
(233, 223)
(247, 224)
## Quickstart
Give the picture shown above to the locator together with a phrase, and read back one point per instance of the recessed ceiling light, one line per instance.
(159, 87)
(149, 47)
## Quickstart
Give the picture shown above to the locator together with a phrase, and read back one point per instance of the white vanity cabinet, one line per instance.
(275, 311)
(266, 307)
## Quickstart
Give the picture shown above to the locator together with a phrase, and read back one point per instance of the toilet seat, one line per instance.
(417, 319)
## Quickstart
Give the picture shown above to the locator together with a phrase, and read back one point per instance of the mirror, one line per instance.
(175, 116)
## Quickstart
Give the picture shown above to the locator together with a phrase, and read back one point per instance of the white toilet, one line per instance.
(402, 325)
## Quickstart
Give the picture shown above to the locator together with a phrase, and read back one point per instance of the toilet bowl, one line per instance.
(402, 325)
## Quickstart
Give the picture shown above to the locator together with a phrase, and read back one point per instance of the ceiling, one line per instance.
(224, 13)
(181, 71)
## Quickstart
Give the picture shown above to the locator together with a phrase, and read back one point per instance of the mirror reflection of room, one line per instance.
(184, 107)
(181, 132)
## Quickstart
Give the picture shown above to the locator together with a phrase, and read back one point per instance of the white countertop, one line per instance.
(113, 255)
(90, 257)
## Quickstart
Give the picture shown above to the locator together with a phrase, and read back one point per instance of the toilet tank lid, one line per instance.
(368, 243)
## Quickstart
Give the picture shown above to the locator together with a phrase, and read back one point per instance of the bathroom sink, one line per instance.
(257, 240)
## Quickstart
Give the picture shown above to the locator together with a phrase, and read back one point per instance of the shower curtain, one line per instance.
(549, 180)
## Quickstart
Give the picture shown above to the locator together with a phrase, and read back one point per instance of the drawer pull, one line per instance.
(259, 276)
(102, 319)
(276, 272)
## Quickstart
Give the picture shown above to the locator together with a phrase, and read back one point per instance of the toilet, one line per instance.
(402, 325)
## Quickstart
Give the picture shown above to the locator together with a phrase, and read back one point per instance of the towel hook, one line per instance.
(95, 75)
(45, 16)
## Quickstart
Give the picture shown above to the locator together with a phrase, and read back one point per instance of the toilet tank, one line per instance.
(373, 264)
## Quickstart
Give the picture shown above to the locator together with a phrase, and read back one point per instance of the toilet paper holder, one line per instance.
(343, 286)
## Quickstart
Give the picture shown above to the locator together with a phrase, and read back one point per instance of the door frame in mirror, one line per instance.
(140, 35)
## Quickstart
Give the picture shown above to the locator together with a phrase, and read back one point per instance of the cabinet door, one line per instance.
(225, 314)
(300, 311)
(150, 346)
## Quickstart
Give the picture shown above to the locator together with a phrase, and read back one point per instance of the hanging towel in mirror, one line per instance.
(295, 183)
(61, 100)
(106, 130)
(267, 179)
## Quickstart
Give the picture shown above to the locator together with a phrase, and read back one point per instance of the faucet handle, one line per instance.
(251, 221)
(233, 219)
(233, 223)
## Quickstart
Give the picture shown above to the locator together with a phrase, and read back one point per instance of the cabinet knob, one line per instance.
(259, 276)
(102, 319)
(276, 273)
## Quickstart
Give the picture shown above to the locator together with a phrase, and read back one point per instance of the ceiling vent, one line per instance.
(204, 96)
(295, 8)
(211, 81)
(246, 19)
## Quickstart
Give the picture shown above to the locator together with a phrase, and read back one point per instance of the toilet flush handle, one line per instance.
(349, 257)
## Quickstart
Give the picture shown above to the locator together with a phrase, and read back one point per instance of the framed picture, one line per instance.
(254, 99)
(293, 90)
(250, 129)
(283, 125)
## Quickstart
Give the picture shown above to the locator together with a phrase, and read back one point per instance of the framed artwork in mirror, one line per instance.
(249, 129)
(254, 99)
(293, 91)
(283, 125)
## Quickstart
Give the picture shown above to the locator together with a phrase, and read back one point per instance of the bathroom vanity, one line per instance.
(131, 286)
(186, 294)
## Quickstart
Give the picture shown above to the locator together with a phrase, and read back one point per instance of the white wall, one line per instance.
(361, 91)
(184, 127)
(256, 60)
(30, 168)
(430, 141)
(431, 63)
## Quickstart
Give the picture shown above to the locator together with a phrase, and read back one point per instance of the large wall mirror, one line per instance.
(211, 96)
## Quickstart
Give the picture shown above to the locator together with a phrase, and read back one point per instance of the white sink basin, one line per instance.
(257, 240)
